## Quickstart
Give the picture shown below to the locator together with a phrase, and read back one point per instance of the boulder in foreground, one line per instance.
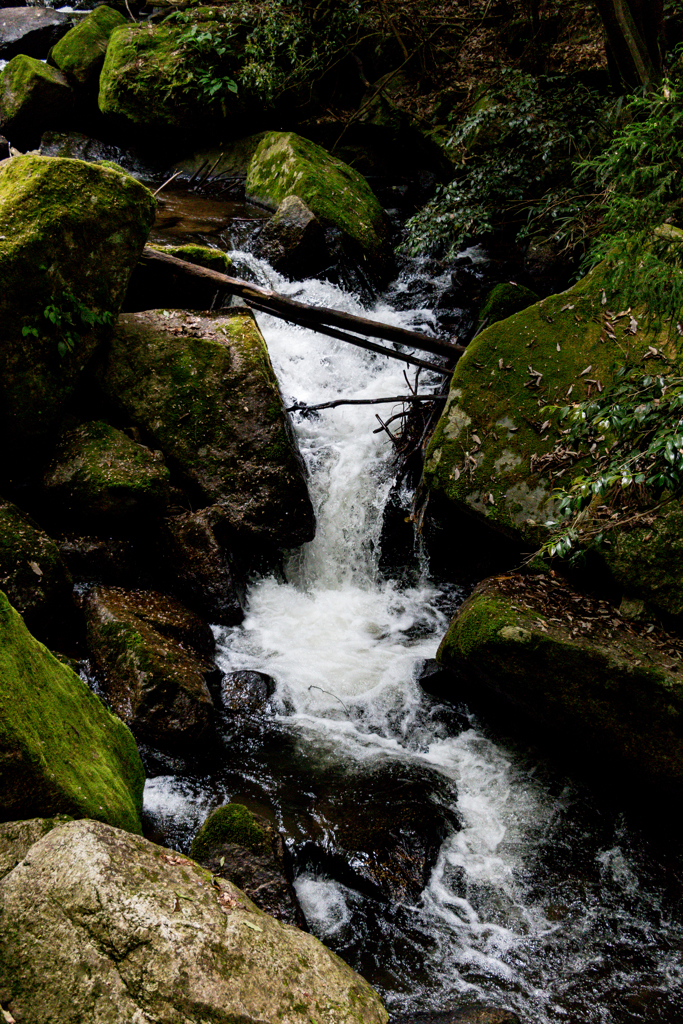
(101, 926)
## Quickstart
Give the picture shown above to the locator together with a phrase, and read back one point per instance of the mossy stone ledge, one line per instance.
(286, 164)
(61, 751)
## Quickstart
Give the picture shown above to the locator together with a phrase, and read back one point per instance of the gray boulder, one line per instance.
(30, 30)
(293, 240)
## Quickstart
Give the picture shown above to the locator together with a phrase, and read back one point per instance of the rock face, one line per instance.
(293, 240)
(606, 689)
(93, 246)
(202, 387)
(153, 656)
(287, 165)
(99, 477)
(30, 30)
(245, 848)
(33, 97)
(61, 751)
(490, 453)
(80, 53)
(98, 925)
(155, 286)
(17, 838)
(32, 573)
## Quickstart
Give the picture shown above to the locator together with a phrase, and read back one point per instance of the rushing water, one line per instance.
(541, 902)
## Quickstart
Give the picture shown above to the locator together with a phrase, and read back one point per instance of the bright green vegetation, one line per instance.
(80, 53)
(27, 84)
(286, 164)
(231, 823)
(61, 751)
(200, 255)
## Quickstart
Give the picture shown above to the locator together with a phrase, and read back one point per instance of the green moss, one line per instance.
(200, 255)
(80, 53)
(231, 823)
(286, 164)
(61, 751)
(504, 300)
(18, 82)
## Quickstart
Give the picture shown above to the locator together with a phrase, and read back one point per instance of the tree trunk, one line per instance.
(634, 33)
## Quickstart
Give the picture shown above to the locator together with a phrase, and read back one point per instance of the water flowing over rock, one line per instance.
(61, 751)
(154, 656)
(91, 911)
(202, 387)
(93, 245)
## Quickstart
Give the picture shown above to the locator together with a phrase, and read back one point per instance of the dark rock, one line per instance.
(153, 656)
(293, 240)
(4, 148)
(200, 566)
(245, 848)
(246, 692)
(117, 561)
(469, 1015)
(33, 98)
(159, 286)
(30, 30)
(505, 299)
(33, 574)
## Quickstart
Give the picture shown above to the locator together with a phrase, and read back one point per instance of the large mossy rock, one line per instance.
(33, 574)
(33, 98)
(73, 258)
(80, 53)
(61, 751)
(203, 389)
(287, 165)
(491, 452)
(100, 478)
(100, 926)
(605, 692)
(153, 657)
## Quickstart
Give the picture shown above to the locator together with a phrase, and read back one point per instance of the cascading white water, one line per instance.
(499, 922)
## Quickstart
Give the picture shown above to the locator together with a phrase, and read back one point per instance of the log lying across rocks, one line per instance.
(320, 318)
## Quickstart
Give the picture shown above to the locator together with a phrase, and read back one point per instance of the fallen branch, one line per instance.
(302, 407)
(307, 315)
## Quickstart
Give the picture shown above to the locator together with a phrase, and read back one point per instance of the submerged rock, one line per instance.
(33, 98)
(80, 53)
(30, 30)
(93, 245)
(91, 911)
(61, 751)
(33, 573)
(245, 848)
(287, 165)
(203, 389)
(154, 657)
(246, 692)
(606, 692)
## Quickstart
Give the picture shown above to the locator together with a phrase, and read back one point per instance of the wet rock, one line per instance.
(80, 53)
(30, 31)
(17, 838)
(76, 146)
(203, 389)
(471, 1015)
(93, 244)
(153, 656)
(61, 751)
(155, 286)
(377, 830)
(605, 693)
(33, 98)
(201, 568)
(91, 910)
(505, 299)
(245, 848)
(293, 241)
(119, 561)
(100, 479)
(33, 574)
(246, 692)
(286, 164)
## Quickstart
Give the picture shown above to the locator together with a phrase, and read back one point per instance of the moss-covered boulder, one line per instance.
(33, 574)
(203, 389)
(151, 78)
(287, 165)
(33, 98)
(606, 692)
(80, 53)
(495, 452)
(61, 751)
(156, 285)
(153, 657)
(92, 910)
(247, 849)
(65, 267)
(99, 478)
(505, 299)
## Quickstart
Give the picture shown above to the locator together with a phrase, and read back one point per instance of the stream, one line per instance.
(540, 900)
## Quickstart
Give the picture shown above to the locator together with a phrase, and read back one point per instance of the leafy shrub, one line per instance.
(207, 75)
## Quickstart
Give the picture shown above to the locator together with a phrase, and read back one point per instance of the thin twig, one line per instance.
(329, 694)
(167, 182)
(302, 407)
